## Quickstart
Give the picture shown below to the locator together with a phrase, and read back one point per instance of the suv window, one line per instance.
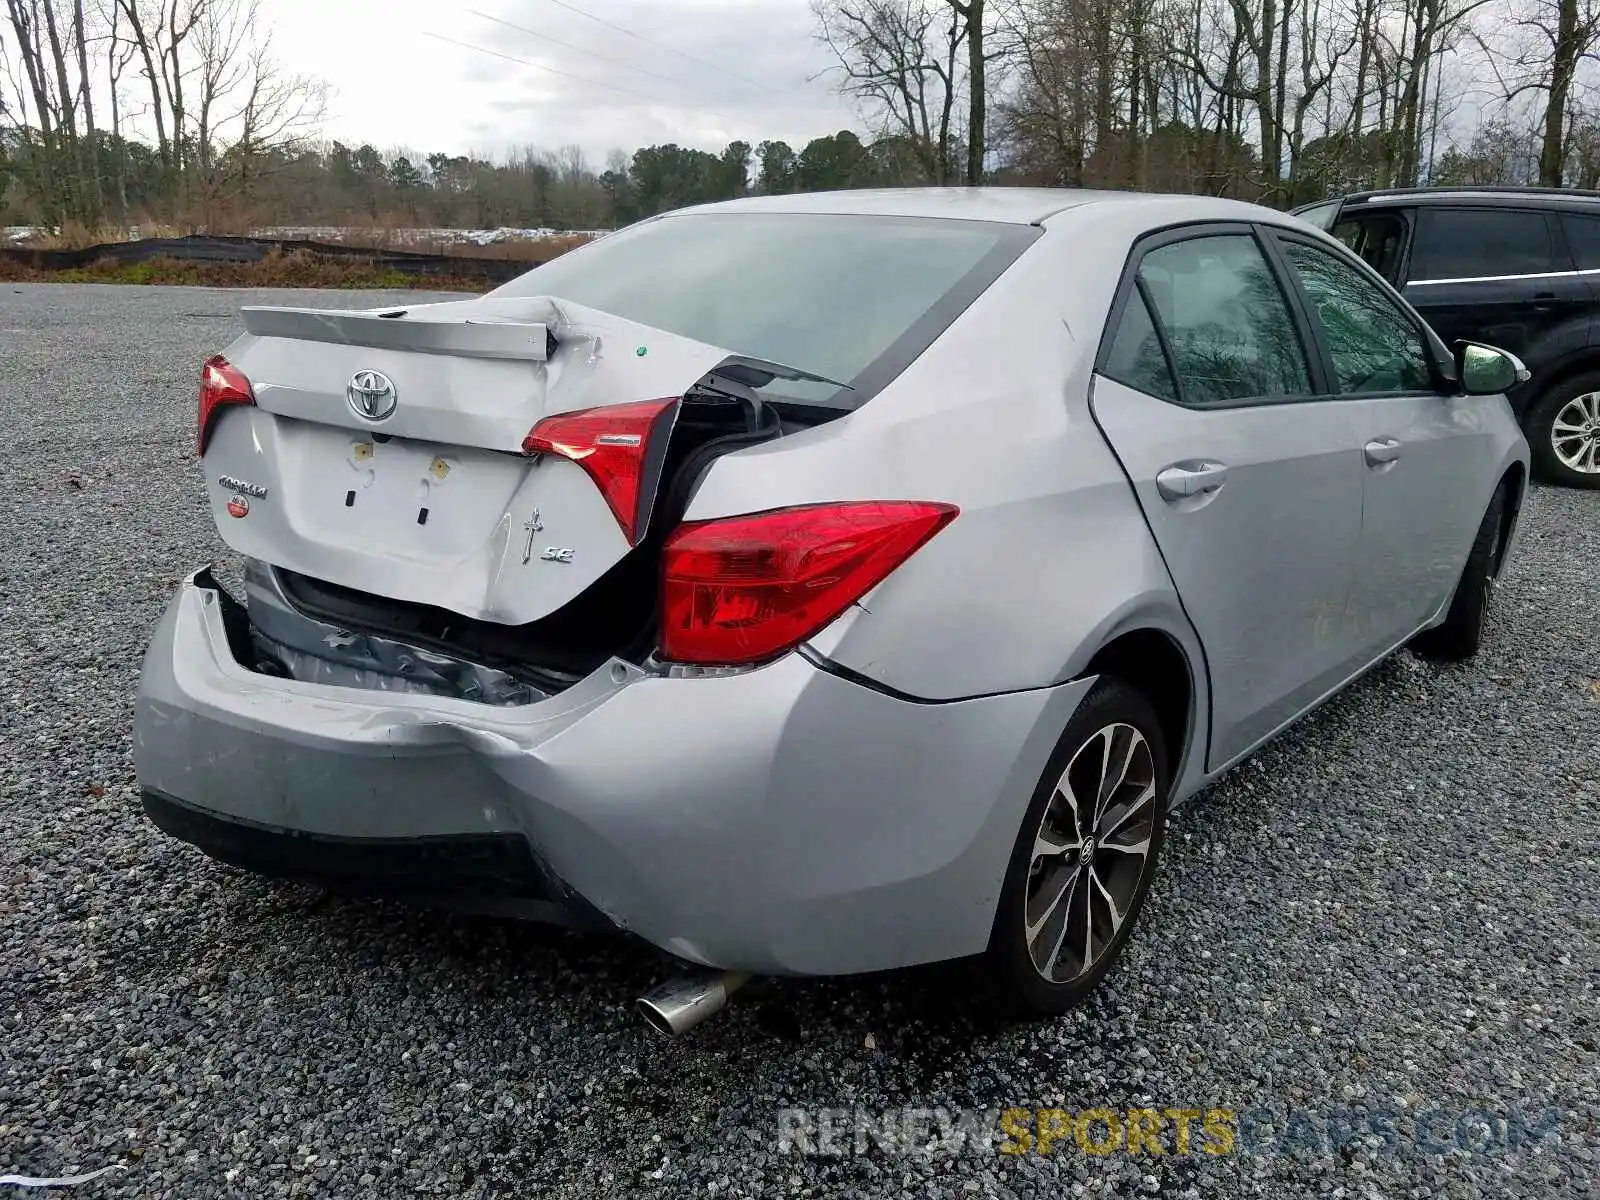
(1477, 243)
(1583, 239)
(1319, 214)
(1377, 238)
(1226, 320)
(1375, 347)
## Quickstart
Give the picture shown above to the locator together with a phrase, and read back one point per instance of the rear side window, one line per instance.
(1136, 357)
(1583, 239)
(1481, 243)
(1226, 321)
(850, 298)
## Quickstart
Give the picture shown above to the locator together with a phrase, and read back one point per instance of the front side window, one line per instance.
(1481, 243)
(1375, 347)
(1226, 320)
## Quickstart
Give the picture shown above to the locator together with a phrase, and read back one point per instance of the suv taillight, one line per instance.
(745, 589)
(220, 383)
(621, 446)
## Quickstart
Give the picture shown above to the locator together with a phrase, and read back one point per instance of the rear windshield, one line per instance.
(852, 299)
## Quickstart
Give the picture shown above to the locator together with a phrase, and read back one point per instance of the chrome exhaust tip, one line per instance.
(680, 1004)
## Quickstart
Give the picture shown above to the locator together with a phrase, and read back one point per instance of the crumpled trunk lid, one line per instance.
(384, 451)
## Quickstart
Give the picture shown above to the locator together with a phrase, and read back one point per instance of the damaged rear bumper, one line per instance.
(781, 820)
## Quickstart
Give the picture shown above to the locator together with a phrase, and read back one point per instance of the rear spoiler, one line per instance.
(494, 337)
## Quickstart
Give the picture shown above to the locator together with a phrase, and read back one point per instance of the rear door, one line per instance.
(1424, 455)
(1498, 275)
(1249, 479)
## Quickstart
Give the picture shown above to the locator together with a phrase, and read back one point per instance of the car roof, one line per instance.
(1491, 197)
(1012, 205)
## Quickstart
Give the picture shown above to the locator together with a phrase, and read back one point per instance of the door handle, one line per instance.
(1543, 302)
(1182, 480)
(1381, 452)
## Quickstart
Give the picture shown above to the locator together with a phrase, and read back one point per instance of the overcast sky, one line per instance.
(393, 85)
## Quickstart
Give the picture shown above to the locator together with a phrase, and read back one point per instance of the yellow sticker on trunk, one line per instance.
(361, 451)
(439, 468)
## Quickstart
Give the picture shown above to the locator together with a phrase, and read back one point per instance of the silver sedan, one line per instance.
(817, 584)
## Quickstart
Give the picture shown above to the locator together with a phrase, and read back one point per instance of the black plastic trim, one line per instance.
(496, 872)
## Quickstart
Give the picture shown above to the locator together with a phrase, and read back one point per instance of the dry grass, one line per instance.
(380, 237)
(276, 270)
(537, 250)
(74, 235)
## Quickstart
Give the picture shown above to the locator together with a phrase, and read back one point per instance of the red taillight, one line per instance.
(220, 383)
(620, 446)
(745, 589)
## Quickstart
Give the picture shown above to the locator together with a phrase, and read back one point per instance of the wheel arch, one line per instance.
(1154, 662)
(1515, 483)
(1564, 370)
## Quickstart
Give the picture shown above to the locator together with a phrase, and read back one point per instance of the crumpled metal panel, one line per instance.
(315, 651)
(360, 660)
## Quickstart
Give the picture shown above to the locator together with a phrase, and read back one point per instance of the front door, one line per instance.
(1496, 275)
(1424, 455)
(1250, 481)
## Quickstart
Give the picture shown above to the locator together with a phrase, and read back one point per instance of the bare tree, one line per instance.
(971, 13)
(119, 54)
(44, 144)
(159, 30)
(901, 60)
(1556, 38)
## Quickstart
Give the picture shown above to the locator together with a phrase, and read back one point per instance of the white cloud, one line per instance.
(393, 85)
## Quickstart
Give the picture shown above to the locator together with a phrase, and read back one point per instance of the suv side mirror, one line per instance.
(1485, 371)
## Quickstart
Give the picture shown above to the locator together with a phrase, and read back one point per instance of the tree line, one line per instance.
(1281, 101)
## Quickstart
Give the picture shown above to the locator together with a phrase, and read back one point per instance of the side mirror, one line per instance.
(1485, 371)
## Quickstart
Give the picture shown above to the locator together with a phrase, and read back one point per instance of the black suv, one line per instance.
(1518, 268)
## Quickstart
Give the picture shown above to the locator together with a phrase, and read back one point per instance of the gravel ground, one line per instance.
(1391, 911)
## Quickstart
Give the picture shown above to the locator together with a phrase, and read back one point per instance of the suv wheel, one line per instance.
(1564, 432)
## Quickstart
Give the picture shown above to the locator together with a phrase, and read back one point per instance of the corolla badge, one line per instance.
(243, 486)
(371, 395)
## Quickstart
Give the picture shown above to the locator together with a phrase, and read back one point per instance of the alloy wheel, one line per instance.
(1575, 433)
(1090, 852)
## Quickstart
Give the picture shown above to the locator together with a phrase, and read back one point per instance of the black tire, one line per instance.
(1540, 423)
(1010, 963)
(1462, 631)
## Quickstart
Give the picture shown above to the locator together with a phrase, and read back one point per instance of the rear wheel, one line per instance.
(1085, 856)
(1462, 631)
(1564, 432)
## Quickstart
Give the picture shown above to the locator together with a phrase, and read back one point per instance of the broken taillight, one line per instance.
(220, 383)
(745, 589)
(621, 447)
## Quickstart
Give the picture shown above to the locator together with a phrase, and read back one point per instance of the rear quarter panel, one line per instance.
(1050, 557)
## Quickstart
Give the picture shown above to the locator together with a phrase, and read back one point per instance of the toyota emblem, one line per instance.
(371, 395)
